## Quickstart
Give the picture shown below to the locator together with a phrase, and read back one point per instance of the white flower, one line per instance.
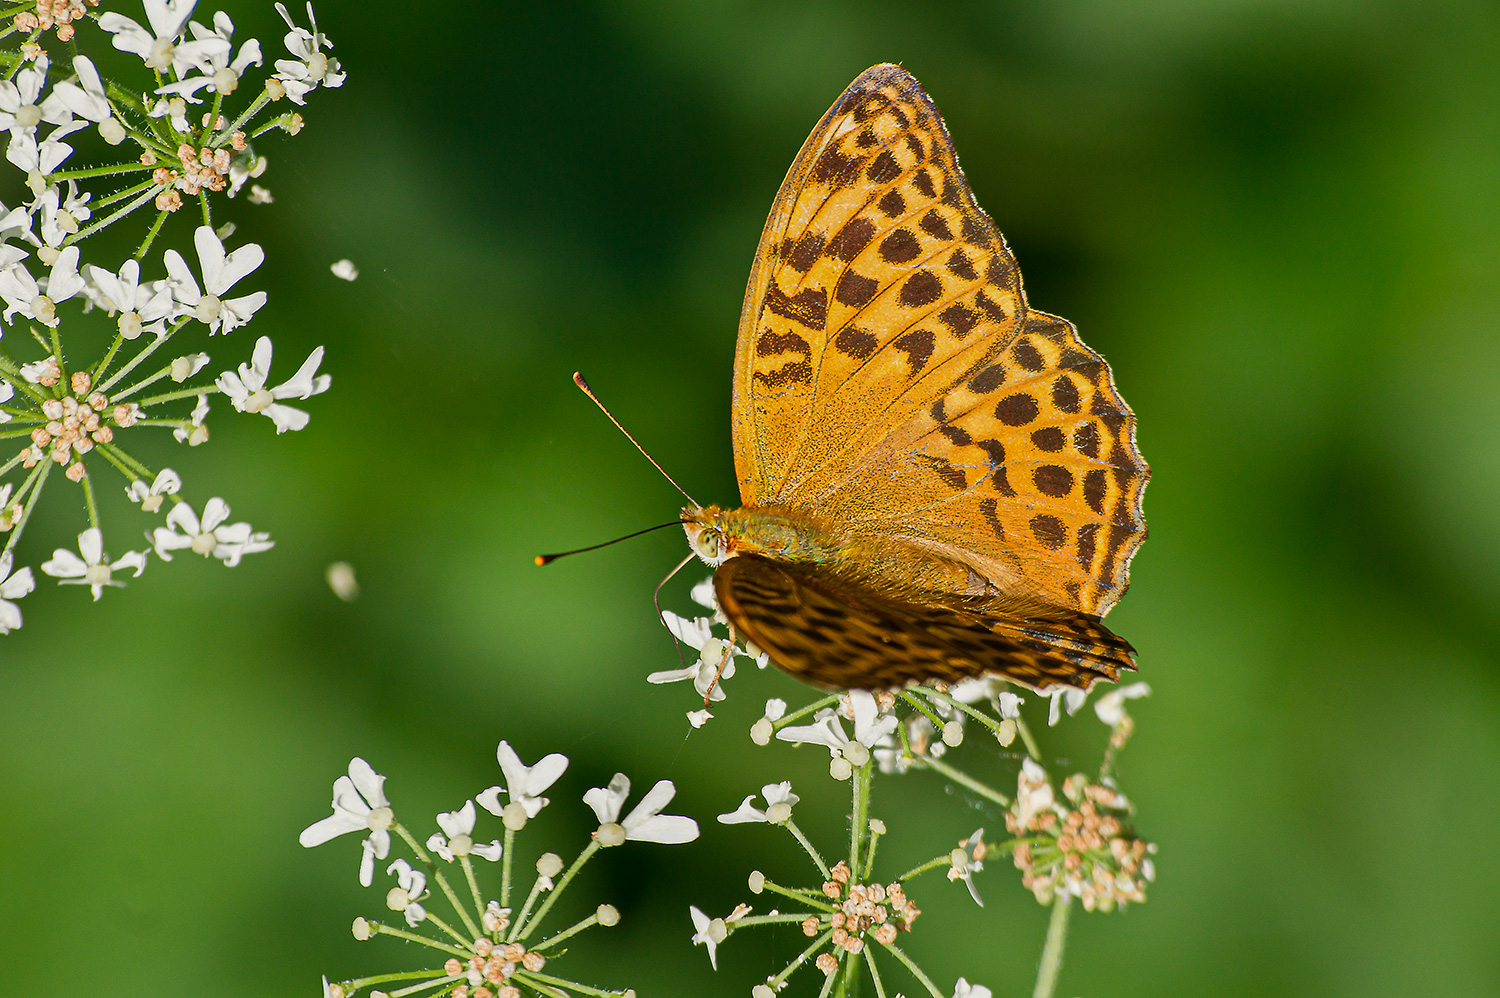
(966, 990)
(143, 307)
(159, 46)
(229, 543)
(220, 273)
(710, 932)
(219, 73)
(174, 108)
(411, 889)
(6, 391)
(150, 498)
(645, 823)
(86, 98)
(20, 111)
(523, 784)
(359, 804)
(871, 730)
(311, 66)
(38, 371)
(249, 393)
(14, 224)
(42, 157)
(456, 838)
(258, 194)
(93, 569)
(988, 688)
(13, 585)
(714, 654)
(967, 860)
(779, 802)
(1033, 793)
(24, 296)
(58, 217)
(195, 432)
(1063, 696)
(345, 270)
(1111, 706)
(703, 594)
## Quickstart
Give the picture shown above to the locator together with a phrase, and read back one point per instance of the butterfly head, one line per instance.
(705, 527)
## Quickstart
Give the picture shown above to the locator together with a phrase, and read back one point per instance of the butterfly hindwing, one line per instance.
(831, 630)
(877, 282)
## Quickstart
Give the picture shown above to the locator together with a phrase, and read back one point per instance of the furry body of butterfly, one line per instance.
(939, 482)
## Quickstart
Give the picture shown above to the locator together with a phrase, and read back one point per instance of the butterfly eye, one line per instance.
(708, 545)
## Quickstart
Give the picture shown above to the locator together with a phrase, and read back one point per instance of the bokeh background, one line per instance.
(1280, 222)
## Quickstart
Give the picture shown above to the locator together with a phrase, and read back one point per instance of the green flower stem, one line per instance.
(533, 978)
(109, 355)
(798, 715)
(505, 855)
(99, 171)
(139, 358)
(161, 217)
(8, 465)
(1028, 741)
(805, 897)
(536, 892)
(946, 859)
(963, 779)
(1052, 950)
(145, 383)
(112, 459)
(864, 875)
(174, 423)
(917, 702)
(20, 432)
(473, 883)
(571, 930)
(780, 919)
(545, 989)
(402, 993)
(34, 482)
(405, 975)
(916, 971)
(261, 100)
(278, 122)
(88, 499)
(791, 826)
(181, 393)
(827, 987)
(20, 62)
(847, 974)
(113, 217)
(125, 461)
(57, 351)
(562, 885)
(869, 955)
(453, 933)
(128, 192)
(415, 937)
(978, 715)
(859, 812)
(442, 882)
(799, 960)
(203, 201)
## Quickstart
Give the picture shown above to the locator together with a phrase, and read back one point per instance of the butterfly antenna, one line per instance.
(584, 385)
(656, 601)
(547, 559)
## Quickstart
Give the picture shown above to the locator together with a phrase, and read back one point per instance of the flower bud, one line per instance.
(761, 731)
(112, 131)
(549, 864)
(361, 929)
(608, 915)
(610, 834)
(757, 882)
(953, 733)
(514, 816)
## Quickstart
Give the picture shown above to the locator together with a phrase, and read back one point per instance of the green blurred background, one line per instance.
(1280, 222)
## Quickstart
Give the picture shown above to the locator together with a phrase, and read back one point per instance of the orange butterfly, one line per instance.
(938, 481)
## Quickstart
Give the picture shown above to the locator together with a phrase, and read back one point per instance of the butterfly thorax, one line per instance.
(789, 534)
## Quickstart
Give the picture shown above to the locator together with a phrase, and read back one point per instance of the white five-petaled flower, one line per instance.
(143, 306)
(410, 890)
(523, 784)
(1063, 696)
(194, 433)
(645, 823)
(456, 839)
(210, 536)
(159, 46)
(311, 66)
(967, 860)
(713, 654)
(1111, 706)
(248, 392)
(46, 155)
(13, 585)
(220, 273)
(871, 729)
(94, 569)
(20, 110)
(359, 804)
(779, 802)
(708, 931)
(58, 217)
(24, 296)
(219, 72)
(149, 498)
(966, 990)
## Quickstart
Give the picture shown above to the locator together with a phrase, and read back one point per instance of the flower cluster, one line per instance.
(83, 417)
(1080, 845)
(879, 910)
(489, 952)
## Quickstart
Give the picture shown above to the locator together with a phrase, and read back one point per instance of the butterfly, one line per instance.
(938, 481)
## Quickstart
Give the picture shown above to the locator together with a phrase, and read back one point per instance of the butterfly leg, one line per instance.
(728, 657)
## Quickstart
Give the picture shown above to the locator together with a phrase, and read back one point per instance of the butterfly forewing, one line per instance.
(877, 283)
(827, 629)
